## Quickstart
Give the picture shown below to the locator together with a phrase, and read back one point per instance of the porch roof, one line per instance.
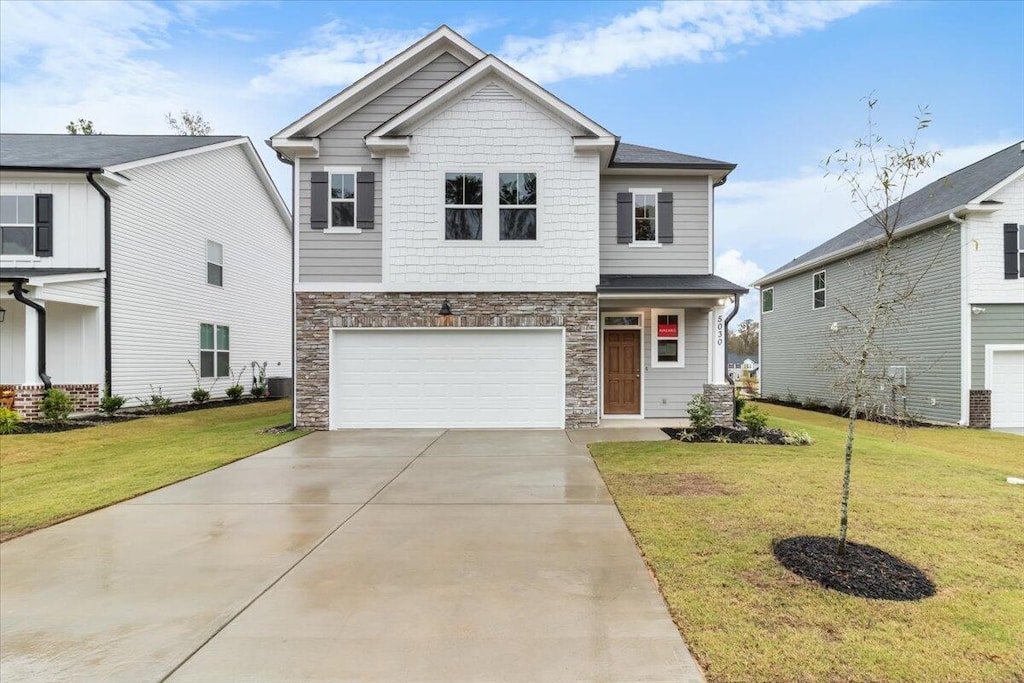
(12, 274)
(675, 284)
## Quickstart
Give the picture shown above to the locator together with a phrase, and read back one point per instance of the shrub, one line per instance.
(792, 398)
(721, 438)
(111, 404)
(200, 396)
(756, 440)
(56, 405)
(10, 421)
(741, 402)
(257, 390)
(755, 420)
(235, 391)
(801, 438)
(702, 416)
(157, 402)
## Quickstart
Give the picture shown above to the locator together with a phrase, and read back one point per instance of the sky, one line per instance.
(771, 86)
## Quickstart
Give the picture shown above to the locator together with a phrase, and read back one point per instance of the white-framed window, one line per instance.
(645, 215)
(517, 206)
(463, 206)
(214, 350)
(342, 196)
(1020, 251)
(214, 263)
(17, 225)
(667, 338)
(818, 284)
(622, 320)
(767, 299)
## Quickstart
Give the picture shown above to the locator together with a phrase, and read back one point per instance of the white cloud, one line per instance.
(669, 33)
(733, 267)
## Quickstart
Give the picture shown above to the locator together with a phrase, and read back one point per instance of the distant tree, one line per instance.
(81, 127)
(189, 123)
(745, 339)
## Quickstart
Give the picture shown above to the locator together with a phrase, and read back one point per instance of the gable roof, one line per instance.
(638, 156)
(93, 152)
(932, 203)
(443, 39)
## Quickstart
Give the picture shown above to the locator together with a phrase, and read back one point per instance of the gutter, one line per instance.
(19, 294)
(294, 238)
(725, 332)
(108, 379)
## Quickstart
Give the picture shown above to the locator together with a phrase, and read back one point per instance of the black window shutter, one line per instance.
(318, 201)
(665, 217)
(364, 200)
(624, 217)
(44, 225)
(1010, 251)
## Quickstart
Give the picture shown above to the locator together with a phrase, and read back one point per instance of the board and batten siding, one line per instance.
(795, 337)
(986, 282)
(77, 220)
(161, 221)
(688, 253)
(326, 257)
(997, 324)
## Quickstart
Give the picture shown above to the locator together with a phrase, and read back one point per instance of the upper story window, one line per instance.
(17, 225)
(819, 289)
(214, 263)
(463, 206)
(667, 338)
(517, 201)
(214, 350)
(1020, 252)
(767, 299)
(343, 200)
(645, 216)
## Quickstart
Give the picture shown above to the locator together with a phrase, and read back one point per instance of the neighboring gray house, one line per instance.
(473, 252)
(958, 353)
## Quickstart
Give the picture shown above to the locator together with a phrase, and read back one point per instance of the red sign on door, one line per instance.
(668, 330)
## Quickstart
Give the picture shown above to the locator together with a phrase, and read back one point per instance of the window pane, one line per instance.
(508, 188)
(17, 241)
(453, 190)
(1020, 237)
(668, 351)
(223, 364)
(819, 299)
(206, 363)
(342, 214)
(518, 224)
(819, 280)
(645, 206)
(463, 224)
(622, 320)
(1020, 266)
(214, 252)
(26, 209)
(644, 230)
(527, 188)
(205, 336)
(474, 188)
(342, 186)
(767, 302)
(214, 274)
(222, 338)
(668, 327)
(8, 209)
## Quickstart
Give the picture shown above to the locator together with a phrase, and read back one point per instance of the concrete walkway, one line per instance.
(401, 556)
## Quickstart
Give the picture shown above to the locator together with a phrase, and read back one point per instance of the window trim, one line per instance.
(214, 350)
(535, 206)
(482, 206)
(490, 227)
(645, 244)
(354, 229)
(680, 362)
(209, 263)
(32, 253)
(823, 290)
(772, 308)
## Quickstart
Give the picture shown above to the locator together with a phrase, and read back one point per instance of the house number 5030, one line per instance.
(721, 330)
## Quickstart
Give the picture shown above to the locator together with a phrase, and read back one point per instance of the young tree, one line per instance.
(189, 123)
(877, 175)
(81, 127)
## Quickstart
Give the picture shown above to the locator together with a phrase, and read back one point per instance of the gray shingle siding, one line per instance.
(997, 324)
(795, 336)
(357, 257)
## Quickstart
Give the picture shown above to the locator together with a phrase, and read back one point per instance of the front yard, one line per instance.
(45, 478)
(705, 516)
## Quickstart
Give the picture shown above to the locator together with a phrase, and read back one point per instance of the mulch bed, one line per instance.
(865, 571)
(840, 411)
(775, 437)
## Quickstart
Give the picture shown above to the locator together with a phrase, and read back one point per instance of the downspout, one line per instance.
(107, 355)
(295, 230)
(19, 294)
(966, 380)
(725, 332)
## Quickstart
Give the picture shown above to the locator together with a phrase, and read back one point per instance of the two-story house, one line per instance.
(125, 257)
(471, 251)
(956, 353)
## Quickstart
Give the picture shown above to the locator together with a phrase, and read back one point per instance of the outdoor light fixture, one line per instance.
(446, 308)
(3, 312)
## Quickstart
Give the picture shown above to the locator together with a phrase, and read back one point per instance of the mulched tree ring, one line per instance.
(865, 571)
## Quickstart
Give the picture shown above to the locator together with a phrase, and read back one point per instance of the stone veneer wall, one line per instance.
(720, 396)
(86, 398)
(317, 312)
(980, 414)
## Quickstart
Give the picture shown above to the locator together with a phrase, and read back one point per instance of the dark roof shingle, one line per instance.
(638, 156)
(668, 283)
(93, 152)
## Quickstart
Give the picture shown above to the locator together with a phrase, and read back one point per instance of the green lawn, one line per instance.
(45, 478)
(705, 516)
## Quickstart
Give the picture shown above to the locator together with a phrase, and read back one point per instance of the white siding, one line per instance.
(12, 342)
(492, 133)
(77, 220)
(985, 281)
(74, 344)
(161, 222)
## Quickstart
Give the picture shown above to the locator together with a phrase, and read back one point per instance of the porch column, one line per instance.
(31, 358)
(718, 344)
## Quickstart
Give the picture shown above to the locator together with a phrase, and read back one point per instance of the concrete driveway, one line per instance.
(402, 556)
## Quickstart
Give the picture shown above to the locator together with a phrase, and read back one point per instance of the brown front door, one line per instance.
(622, 372)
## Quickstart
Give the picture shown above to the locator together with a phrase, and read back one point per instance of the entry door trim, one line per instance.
(600, 360)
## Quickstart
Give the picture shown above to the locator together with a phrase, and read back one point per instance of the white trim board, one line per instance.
(990, 351)
(600, 363)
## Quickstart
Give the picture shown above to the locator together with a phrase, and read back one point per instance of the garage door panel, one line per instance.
(1007, 385)
(448, 378)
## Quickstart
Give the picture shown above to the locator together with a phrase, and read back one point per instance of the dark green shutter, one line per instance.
(364, 200)
(624, 217)
(665, 217)
(44, 225)
(319, 204)
(1010, 251)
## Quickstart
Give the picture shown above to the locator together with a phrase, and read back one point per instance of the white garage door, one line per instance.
(448, 378)
(1007, 383)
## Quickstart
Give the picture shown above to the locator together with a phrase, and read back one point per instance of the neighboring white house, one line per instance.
(740, 365)
(472, 251)
(124, 257)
